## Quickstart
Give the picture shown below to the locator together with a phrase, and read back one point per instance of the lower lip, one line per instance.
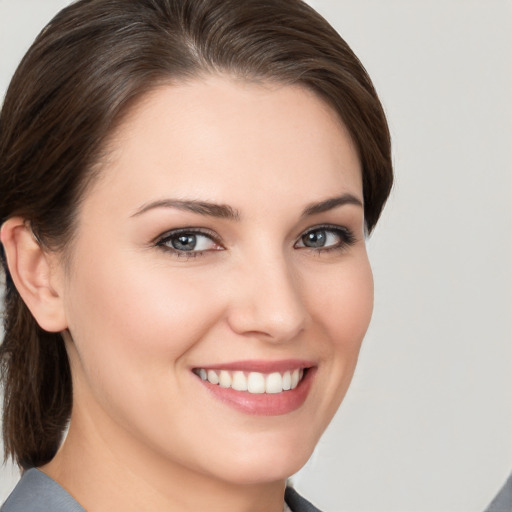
(264, 404)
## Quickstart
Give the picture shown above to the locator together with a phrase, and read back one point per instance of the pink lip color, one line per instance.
(263, 404)
(262, 366)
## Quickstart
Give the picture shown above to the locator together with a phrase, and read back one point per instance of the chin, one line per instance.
(263, 466)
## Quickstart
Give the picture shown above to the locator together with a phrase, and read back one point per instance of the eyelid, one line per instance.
(346, 239)
(187, 230)
(347, 235)
(161, 240)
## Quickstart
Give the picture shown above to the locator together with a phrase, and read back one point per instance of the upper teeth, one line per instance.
(253, 382)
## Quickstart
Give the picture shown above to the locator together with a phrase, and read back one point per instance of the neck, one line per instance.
(104, 469)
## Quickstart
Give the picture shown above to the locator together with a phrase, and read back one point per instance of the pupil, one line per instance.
(315, 239)
(184, 243)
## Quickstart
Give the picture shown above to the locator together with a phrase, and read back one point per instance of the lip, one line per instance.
(261, 366)
(264, 404)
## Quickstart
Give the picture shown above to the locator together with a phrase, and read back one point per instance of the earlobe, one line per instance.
(33, 274)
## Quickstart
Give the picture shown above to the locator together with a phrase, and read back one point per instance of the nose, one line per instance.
(267, 301)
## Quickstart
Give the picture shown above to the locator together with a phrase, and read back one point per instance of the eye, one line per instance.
(189, 242)
(326, 237)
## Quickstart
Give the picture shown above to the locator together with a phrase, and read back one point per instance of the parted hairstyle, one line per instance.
(82, 73)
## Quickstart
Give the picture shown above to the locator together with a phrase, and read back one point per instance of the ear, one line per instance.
(34, 272)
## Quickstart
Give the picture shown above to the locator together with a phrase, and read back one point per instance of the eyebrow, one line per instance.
(330, 204)
(227, 212)
(201, 207)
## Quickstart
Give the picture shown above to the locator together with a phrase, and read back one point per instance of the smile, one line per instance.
(253, 382)
(259, 387)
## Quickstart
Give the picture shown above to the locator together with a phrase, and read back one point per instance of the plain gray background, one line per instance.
(427, 423)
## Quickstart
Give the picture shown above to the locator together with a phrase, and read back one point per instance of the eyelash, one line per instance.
(345, 235)
(174, 234)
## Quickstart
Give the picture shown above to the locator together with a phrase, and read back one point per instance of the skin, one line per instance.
(145, 434)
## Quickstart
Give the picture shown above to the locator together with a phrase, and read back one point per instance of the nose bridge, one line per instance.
(269, 301)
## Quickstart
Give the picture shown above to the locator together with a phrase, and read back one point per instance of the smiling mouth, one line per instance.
(253, 382)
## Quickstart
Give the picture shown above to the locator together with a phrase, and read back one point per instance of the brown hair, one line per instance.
(80, 75)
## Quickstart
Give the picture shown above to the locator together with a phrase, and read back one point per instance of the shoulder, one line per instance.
(37, 492)
(297, 503)
(503, 501)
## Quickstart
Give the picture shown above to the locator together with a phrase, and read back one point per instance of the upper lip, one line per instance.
(260, 365)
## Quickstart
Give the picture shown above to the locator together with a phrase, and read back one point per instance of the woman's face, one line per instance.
(223, 241)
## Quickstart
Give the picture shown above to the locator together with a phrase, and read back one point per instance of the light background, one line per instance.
(427, 424)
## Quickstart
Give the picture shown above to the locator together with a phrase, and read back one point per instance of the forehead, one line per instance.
(231, 140)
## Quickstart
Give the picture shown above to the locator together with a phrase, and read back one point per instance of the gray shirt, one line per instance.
(503, 501)
(37, 492)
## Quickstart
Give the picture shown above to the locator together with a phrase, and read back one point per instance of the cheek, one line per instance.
(139, 323)
(344, 303)
(343, 311)
(355, 304)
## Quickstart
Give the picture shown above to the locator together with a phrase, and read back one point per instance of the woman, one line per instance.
(186, 190)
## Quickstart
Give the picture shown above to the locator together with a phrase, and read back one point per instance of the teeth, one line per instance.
(295, 378)
(224, 379)
(213, 377)
(287, 381)
(274, 383)
(239, 381)
(256, 383)
(253, 382)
